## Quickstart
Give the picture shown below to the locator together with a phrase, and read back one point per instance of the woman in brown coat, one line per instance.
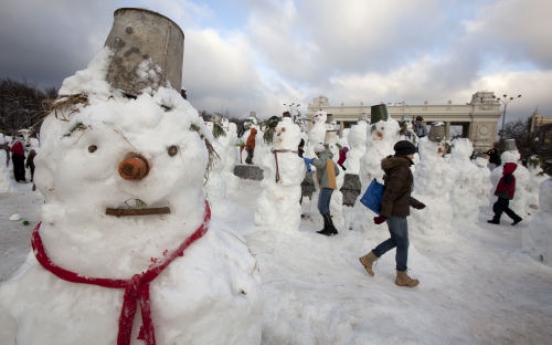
(395, 207)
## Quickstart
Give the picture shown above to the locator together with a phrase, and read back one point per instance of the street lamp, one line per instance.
(505, 100)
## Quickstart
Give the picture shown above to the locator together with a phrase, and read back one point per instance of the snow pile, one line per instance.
(537, 239)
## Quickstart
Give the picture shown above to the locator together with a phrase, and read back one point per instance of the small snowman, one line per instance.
(484, 184)
(221, 174)
(382, 134)
(5, 173)
(407, 130)
(278, 205)
(466, 183)
(317, 133)
(356, 142)
(126, 252)
(537, 175)
(537, 238)
(433, 182)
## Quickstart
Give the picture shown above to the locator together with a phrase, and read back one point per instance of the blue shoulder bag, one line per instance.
(373, 195)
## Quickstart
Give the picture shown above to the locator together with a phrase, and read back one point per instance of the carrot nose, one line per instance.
(134, 168)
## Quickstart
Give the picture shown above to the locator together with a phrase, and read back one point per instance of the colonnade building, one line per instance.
(477, 120)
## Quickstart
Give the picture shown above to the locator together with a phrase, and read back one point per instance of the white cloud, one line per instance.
(293, 51)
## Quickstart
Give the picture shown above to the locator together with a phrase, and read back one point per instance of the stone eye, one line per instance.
(92, 148)
(173, 150)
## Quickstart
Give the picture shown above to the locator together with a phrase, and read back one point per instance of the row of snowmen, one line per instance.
(454, 186)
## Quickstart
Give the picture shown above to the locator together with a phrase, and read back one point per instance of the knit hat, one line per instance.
(404, 148)
(319, 148)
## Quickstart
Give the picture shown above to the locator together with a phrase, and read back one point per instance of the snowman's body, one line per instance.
(466, 182)
(278, 206)
(5, 173)
(433, 183)
(357, 141)
(317, 134)
(207, 296)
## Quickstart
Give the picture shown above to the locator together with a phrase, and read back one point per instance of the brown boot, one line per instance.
(404, 280)
(367, 261)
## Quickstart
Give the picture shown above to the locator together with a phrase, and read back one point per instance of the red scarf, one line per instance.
(136, 288)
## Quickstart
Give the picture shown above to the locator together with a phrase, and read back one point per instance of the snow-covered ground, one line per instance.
(476, 285)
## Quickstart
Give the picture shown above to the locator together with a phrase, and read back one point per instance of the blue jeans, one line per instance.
(324, 200)
(398, 228)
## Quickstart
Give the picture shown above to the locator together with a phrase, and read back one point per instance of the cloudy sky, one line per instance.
(243, 55)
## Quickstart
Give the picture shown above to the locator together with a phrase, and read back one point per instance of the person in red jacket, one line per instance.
(250, 146)
(505, 191)
(18, 160)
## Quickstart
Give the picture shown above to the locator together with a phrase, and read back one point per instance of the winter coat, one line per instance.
(420, 130)
(506, 186)
(30, 159)
(17, 149)
(250, 143)
(326, 170)
(396, 200)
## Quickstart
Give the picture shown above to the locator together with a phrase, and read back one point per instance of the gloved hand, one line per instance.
(379, 219)
(420, 206)
(308, 162)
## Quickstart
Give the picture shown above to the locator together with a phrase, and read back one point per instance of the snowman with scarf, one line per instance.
(126, 252)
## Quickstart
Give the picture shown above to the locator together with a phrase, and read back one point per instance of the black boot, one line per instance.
(493, 221)
(326, 226)
(329, 228)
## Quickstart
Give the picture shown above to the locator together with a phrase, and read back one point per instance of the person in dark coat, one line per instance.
(505, 190)
(395, 207)
(494, 157)
(419, 127)
(18, 159)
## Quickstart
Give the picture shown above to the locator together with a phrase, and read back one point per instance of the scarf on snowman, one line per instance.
(136, 288)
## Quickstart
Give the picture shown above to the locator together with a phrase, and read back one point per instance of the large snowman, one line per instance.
(433, 183)
(382, 134)
(466, 184)
(278, 205)
(126, 252)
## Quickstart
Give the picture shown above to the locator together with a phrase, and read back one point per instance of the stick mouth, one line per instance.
(123, 212)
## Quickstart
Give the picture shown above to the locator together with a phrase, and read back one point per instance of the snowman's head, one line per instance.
(462, 149)
(123, 154)
(287, 135)
(385, 130)
(320, 117)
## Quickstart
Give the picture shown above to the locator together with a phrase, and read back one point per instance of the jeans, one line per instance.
(324, 200)
(398, 228)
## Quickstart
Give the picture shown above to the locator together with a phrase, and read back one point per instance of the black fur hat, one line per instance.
(404, 148)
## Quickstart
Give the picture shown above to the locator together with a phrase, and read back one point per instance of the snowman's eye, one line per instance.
(173, 150)
(92, 148)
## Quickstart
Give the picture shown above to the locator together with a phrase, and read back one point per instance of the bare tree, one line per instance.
(21, 105)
